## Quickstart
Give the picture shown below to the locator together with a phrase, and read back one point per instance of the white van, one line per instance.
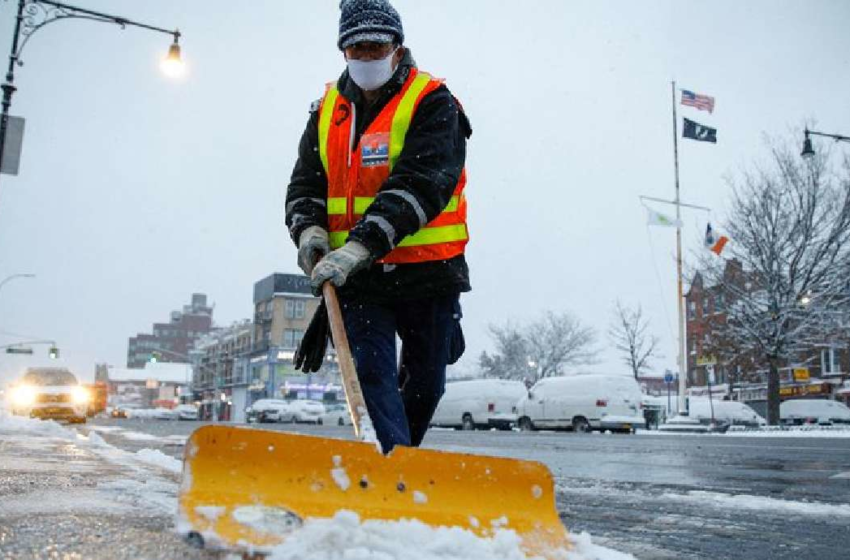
(480, 403)
(813, 411)
(733, 413)
(583, 403)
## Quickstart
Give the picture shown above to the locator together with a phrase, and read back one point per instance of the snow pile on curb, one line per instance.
(18, 425)
(344, 536)
(792, 431)
(774, 432)
(159, 459)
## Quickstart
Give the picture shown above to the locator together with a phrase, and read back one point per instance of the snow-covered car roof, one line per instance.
(813, 408)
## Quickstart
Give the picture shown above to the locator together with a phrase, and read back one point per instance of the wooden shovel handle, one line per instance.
(350, 382)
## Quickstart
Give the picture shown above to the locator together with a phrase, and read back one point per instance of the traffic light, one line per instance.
(53, 353)
(155, 356)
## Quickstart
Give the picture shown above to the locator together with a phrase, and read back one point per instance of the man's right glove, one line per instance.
(339, 265)
(312, 246)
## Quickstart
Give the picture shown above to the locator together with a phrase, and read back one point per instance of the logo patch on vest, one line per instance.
(375, 149)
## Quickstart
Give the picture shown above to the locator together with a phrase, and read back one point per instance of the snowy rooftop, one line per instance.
(163, 372)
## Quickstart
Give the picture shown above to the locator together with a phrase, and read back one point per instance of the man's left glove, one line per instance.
(338, 265)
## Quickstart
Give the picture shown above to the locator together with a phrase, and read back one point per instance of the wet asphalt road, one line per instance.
(655, 496)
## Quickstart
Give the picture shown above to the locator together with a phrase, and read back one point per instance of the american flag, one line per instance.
(701, 102)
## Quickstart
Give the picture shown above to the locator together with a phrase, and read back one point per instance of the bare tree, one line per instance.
(511, 357)
(542, 349)
(629, 334)
(790, 229)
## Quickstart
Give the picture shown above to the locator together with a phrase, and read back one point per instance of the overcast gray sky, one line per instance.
(136, 191)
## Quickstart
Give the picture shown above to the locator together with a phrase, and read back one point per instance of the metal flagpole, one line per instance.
(683, 366)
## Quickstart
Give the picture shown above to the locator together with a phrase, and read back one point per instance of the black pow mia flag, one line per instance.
(698, 132)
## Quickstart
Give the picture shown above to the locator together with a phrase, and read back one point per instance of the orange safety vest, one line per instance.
(356, 173)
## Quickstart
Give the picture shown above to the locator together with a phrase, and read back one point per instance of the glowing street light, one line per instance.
(172, 65)
(34, 15)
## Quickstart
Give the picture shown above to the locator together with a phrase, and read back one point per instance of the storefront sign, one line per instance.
(803, 390)
(801, 374)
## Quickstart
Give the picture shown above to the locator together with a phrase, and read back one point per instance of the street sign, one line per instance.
(668, 378)
(19, 350)
(706, 361)
(11, 158)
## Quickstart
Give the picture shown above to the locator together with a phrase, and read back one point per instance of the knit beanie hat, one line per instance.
(368, 20)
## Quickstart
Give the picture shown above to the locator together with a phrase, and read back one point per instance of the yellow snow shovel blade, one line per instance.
(248, 489)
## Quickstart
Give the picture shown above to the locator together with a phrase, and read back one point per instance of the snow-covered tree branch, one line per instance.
(544, 348)
(790, 229)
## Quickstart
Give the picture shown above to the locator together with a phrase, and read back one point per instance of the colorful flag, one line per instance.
(654, 218)
(714, 242)
(699, 132)
(701, 102)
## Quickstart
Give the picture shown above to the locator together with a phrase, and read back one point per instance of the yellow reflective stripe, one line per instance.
(403, 116)
(362, 203)
(325, 124)
(425, 236)
(337, 239)
(452, 205)
(434, 235)
(336, 206)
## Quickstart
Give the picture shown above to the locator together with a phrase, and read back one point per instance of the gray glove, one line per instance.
(339, 265)
(312, 246)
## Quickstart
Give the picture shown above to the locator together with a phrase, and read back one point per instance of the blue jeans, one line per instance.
(401, 399)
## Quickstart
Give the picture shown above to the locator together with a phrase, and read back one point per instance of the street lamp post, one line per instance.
(13, 276)
(35, 14)
(808, 150)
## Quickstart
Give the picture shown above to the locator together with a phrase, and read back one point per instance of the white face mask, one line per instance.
(371, 74)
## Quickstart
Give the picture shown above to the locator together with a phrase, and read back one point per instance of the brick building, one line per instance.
(745, 376)
(174, 339)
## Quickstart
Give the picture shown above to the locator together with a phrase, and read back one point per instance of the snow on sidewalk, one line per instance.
(142, 482)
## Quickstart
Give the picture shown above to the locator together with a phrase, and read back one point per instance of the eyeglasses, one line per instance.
(367, 50)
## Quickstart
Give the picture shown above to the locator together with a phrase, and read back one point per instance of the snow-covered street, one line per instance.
(108, 490)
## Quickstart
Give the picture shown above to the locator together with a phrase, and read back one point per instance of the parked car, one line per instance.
(303, 411)
(732, 413)
(267, 410)
(186, 412)
(583, 403)
(336, 415)
(116, 412)
(813, 411)
(152, 413)
(52, 393)
(479, 403)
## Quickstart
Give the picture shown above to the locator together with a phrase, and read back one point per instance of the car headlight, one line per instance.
(80, 395)
(23, 395)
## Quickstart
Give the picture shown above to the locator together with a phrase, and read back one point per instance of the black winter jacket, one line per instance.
(428, 168)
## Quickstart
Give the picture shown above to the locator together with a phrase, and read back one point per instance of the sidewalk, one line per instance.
(64, 495)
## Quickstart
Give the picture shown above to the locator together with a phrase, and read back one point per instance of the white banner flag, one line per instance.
(654, 218)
